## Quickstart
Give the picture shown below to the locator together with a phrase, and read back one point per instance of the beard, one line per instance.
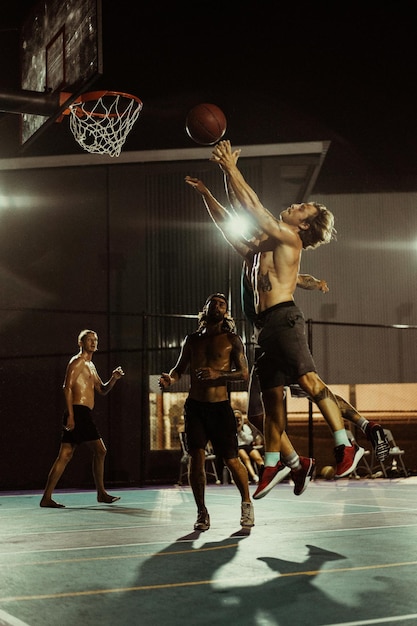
(214, 316)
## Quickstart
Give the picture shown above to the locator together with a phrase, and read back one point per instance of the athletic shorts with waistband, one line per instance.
(211, 421)
(286, 355)
(85, 429)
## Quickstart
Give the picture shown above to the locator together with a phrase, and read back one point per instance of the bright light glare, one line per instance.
(240, 226)
(13, 202)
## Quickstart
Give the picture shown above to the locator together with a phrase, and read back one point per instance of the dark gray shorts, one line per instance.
(285, 353)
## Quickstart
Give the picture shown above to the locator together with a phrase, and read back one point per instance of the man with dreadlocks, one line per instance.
(214, 355)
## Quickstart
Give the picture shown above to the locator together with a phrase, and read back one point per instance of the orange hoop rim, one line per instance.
(90, 96)
(96, 95)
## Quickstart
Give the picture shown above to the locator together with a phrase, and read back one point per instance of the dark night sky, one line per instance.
(343, 71)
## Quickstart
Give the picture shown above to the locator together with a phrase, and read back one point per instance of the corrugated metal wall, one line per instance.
(102, 247)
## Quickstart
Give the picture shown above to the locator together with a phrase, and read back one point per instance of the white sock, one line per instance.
(362, 423)
(292, 460)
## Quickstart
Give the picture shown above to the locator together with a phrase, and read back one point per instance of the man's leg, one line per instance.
(275, 419)
(373, 431)
(274, 428)
(255, 409)
(198, 486)
(99, 454)
(244, 457)
(347, 456)
(240, 477)
(302, 468)
(65, 455)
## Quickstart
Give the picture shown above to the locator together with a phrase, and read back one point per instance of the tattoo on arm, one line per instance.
(264, 284)
(307, 282)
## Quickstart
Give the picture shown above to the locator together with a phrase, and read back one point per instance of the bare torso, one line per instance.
(80, 382)
(209, 351)
(274, 273)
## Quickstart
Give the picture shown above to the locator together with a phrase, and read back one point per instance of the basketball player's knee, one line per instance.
(66, 455)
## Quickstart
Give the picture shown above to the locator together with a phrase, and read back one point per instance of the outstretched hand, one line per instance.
(223, 154)
(196, 184)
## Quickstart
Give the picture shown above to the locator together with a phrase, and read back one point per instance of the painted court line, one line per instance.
(95, 592)
(381, 620)
(9, 620)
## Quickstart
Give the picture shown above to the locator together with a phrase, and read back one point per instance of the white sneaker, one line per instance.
(247, 518)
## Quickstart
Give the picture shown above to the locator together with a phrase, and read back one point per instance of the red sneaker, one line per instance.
(271, 476)
(302, 476)
(347, 458)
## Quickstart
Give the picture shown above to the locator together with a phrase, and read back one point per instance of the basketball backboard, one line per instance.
(61, 51)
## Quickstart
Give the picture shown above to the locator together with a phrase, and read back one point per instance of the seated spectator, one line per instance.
(248, 453)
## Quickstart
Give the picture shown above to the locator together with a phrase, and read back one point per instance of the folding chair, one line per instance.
(185, 461)
(394, 464)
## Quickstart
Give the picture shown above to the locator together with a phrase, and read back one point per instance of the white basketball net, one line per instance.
(101, 124)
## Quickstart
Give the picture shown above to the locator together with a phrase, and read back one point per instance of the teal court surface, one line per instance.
(344, 553)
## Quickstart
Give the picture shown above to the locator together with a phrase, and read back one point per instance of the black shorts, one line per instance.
(286, 355)
(211, 421)
(247, 448)
(85, 429)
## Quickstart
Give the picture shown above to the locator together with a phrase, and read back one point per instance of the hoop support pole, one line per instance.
(31, 102)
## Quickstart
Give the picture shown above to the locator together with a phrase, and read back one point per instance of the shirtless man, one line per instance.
(277, 246)
(80, 384)
(214, 355)
(247, 245)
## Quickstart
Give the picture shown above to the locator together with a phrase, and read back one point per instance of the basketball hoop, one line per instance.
(101, 120)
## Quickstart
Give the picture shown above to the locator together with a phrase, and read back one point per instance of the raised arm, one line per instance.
(238, 188)
(221, 218)
(231, 195)
(244, 197)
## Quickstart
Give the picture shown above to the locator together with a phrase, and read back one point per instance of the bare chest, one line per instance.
(212, 350)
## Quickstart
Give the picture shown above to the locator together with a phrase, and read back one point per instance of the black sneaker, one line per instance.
(375, 433)
(203, 521)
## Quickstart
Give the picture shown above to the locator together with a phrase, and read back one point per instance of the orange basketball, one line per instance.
(206, 124)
